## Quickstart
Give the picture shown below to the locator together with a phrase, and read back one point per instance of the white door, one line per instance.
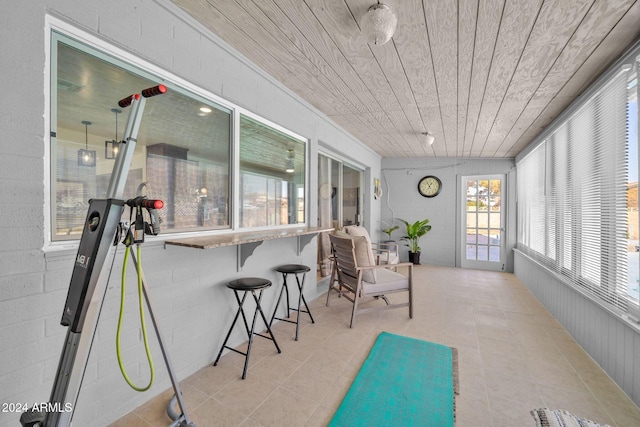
(483, 222)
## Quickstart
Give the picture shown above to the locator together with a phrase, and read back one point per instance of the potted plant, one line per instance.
(390, 244)
(412, 239)
(390, 229)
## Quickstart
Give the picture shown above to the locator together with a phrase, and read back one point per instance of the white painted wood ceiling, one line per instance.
(483, 76)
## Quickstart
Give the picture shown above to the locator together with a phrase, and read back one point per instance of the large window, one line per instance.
(182, 153)
(577, 192)
(272, 175)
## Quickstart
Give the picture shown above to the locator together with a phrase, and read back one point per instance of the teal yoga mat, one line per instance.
(403, 382)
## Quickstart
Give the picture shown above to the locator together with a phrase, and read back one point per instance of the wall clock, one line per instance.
(429, 186)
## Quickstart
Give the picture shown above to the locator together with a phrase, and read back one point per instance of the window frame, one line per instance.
(605, 289)
(239, 111)
(56, 29)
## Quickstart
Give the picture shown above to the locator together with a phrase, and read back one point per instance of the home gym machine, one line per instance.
(100, 237)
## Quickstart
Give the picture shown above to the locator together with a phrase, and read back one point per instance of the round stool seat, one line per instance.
(249, 284)
(293, 268)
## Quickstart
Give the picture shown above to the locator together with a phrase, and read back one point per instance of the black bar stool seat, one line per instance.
(294, 269)
(248, 285)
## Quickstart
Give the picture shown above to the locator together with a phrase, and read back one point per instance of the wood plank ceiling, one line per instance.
(483, 76)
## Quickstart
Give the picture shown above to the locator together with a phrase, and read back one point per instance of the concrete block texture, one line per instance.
(188, 291)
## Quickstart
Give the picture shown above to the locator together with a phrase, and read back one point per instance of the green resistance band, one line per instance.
(142, 323)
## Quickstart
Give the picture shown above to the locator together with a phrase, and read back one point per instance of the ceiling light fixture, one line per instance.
(378, 24)
(111, 147)
(86, 157)
(205, 110)
(429, 137)
(290, 167)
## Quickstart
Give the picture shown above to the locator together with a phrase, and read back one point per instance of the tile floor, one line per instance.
(513, 357)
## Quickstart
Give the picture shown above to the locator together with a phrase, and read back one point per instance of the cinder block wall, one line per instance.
(187, 285)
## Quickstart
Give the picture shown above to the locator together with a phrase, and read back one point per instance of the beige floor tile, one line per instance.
(320, 417)
(214, 413)
(130, 420)
(511, 413)
(513, 357)
(502, 387)
(245, 395)
(472, 406)
(310, 382)
(284, 408)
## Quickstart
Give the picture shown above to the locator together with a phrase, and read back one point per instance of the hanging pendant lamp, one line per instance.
(86, 157)
(378, 24)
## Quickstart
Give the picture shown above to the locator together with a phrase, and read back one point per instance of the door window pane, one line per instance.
(471, 219)
(471, 252)
(483, 253)
(494, 220)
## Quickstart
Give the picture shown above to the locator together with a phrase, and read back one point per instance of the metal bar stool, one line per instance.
(246, 285)
(292, 269)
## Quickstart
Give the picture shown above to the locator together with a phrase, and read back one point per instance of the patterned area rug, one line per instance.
(405, 382)
(558, 418)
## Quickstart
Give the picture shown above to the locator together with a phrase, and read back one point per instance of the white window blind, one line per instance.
(573, 212)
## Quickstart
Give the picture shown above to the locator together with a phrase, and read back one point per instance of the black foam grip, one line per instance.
(153, 91)
(125, 102)
(143, 202)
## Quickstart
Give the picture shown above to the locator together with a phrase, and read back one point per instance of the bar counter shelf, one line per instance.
(248, 241)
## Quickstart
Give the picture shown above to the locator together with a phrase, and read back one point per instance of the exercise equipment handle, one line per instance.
(143, 202)
(125, 102)
(147, 93)
(153, 91)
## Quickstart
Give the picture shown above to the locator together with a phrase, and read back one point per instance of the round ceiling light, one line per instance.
(378, 24)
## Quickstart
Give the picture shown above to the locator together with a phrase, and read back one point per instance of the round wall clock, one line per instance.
(429, 186)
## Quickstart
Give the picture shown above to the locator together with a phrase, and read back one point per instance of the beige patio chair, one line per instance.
(385, 253)
(358, 277)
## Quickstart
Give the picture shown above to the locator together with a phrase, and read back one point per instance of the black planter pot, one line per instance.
(414, 257)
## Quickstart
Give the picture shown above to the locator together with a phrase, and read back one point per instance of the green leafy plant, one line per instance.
(390, 230)
(414, 232)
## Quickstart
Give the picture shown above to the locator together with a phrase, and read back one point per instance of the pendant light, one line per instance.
(111, 147)
(86, 157)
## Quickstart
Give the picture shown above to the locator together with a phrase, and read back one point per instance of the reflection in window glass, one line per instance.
(182, 152)
(272, 176)
(339, 202)
(633, 219)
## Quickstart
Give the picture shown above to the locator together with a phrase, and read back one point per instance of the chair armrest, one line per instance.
(387, 266)
(393, 245)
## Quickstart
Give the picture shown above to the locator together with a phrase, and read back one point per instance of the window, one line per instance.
(182, 152)
(339, 202)
(272, 175)
(633, 221)
(577, 193)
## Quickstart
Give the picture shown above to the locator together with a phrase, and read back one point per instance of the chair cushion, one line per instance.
(387, 281)
(364, 255)
(356, 230)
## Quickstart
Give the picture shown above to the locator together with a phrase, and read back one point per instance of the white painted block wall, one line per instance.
(187, 285)
(442, 245)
